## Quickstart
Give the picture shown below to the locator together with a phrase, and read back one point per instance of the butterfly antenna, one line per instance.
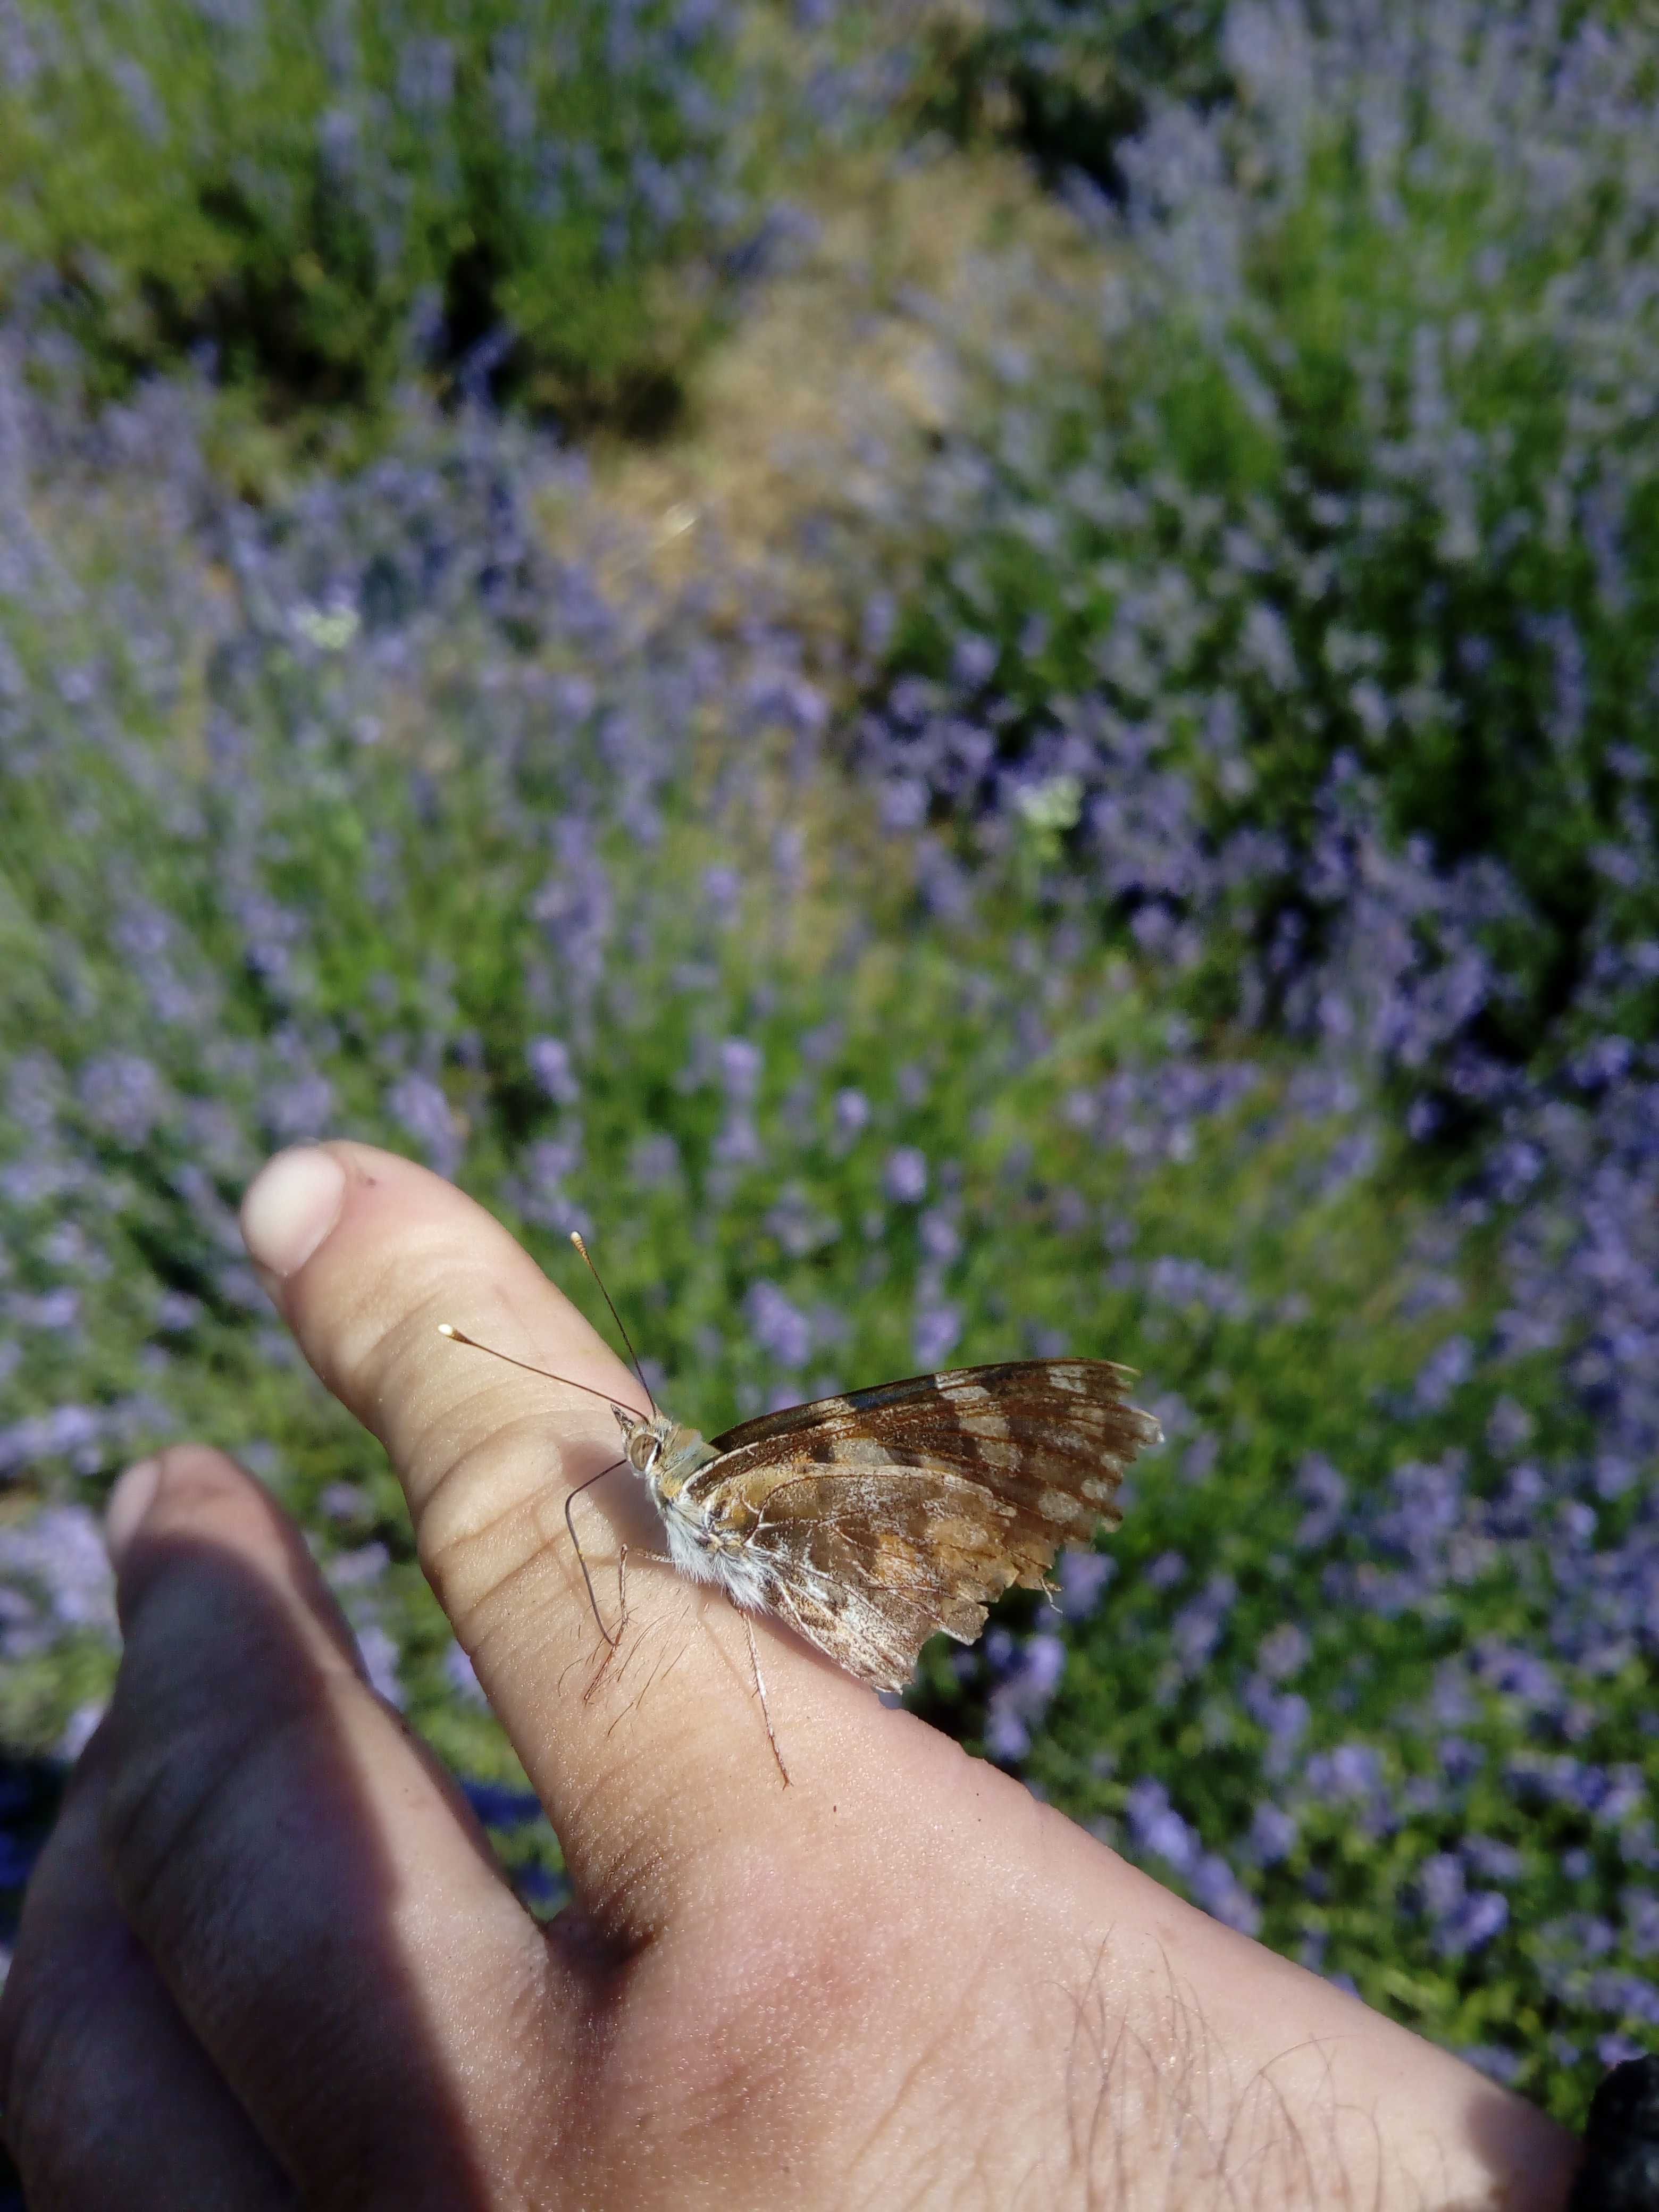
(458, 1336)
(576, 1239)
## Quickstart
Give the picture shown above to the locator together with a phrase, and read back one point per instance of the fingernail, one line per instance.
(290, 1206)
(130, 1500)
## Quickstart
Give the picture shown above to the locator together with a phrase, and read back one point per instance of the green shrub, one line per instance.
(325, 197)
(1069, 79)
(1366, 496)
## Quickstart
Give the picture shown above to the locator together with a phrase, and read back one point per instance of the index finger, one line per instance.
(644, 1763)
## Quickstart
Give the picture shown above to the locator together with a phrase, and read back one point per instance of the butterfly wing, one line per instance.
(890, 1513)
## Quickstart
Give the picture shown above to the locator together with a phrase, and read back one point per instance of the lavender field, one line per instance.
(1185, 889)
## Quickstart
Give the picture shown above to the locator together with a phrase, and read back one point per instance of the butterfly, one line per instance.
(869, 1522)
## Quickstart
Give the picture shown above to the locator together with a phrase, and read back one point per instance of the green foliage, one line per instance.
(1069, 79)
(330, 197)
(1371, 491)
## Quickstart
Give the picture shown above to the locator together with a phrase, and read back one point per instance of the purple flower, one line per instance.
(740, 1064)
(654, 1163)
(739, 1144)
(1284, 1715)
(852, 1114)
(1321, 1487)
(175, 1312)
(937, 1332)
(1498, 2065)
(941, 1241)
(1083, 1577)
(904, 1176)
(1198, 1627)
(1273, 1834)
(424, 1112)
(1350, 1774)
(974, 661)
(57, 1311)
(462, 1677)
(56, 1564)
(295, 1111)
(72, 1432)
(1440, 1884)
(551, 1065)
(358, 1570)
(1158, 1829)
(380, 1657)
(1218, 1891)
(1446, 1370)
(1482, 1915)
(123, 1098)
(1028, 1673)
(575, 907)
(723, 888)
(780, 1328)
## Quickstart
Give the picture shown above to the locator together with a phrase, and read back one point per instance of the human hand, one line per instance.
(267, 1955)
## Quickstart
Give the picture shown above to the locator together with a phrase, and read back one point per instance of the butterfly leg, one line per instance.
(760, 1687)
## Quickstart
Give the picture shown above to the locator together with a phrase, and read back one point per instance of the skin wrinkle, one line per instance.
(1108, 2092)
(397, 1352)
(493, 1619)
(476, 1476)
(963, 2007)
(445, 1551)
(654, 1644)
(1036, 2185)
(618, 2093)
(654, 1641)
(1268, 2188)
(627, 1884)
(446, 1526)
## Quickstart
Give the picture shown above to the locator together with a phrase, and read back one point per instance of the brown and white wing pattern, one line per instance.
(881, 1516)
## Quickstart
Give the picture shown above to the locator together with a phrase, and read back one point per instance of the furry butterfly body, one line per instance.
(869, 1521)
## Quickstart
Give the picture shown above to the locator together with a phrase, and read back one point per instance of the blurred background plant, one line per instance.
(1181, 887)
(315, 200)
